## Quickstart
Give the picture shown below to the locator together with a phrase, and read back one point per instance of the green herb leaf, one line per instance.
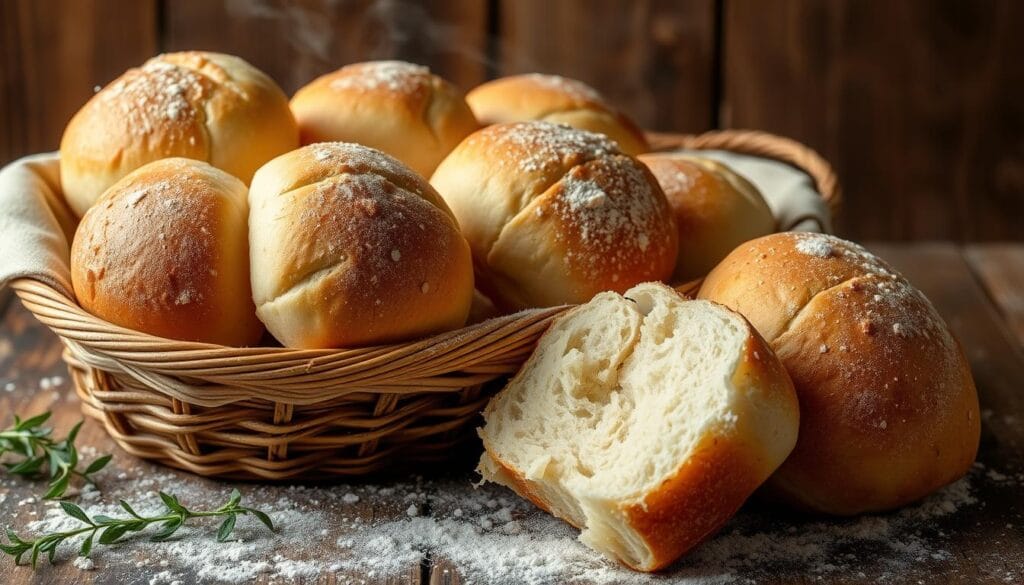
(58, 487)
(75, 512)
(86, 547)
(112, 533)
(262, 518)
(98, 464)
(226, 528)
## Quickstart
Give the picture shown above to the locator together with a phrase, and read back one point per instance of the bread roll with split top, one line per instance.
(645, 420)
(205, 106)
(165, 252)
(397, 107)
(555, 99)
(889, 412)
(716, 209)
(352, 248)
(555, 215)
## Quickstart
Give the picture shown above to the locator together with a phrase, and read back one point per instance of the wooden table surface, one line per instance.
(979, 289)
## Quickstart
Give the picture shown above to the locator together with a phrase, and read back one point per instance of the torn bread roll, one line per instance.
(556, 99)
(644, 419)
(205, 106)
(352, 248)
(165, 252)
(555, 215)
(393, 106)
(716, 209)
(889, 412)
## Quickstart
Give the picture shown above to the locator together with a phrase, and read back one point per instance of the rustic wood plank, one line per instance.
(294, 42)
(654, 60)
(30, 354)
(54, 53)
(1000, 267)
(915, 103)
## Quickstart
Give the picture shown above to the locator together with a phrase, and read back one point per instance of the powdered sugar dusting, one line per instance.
(396, 76)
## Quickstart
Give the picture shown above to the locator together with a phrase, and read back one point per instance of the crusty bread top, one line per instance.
(554, 98)
(397, 107)
(165, 251)
(350, 248)
(555, 214)
(888, 404)
(204, 106)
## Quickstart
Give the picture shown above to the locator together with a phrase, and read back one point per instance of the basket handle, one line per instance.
(762, 144)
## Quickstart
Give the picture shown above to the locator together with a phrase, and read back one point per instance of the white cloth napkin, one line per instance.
(36, 225)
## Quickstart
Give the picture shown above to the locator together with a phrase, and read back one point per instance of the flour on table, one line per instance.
(489, 535)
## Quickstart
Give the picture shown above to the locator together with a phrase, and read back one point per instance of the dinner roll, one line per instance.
(351, 248)
(400, 108)
(556, 215)
(715, 208)
(556, 99)
(644, 419)
(889, 412)
(205, 106)
(165, 252)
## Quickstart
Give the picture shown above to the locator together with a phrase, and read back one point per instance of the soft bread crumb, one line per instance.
(619, 396)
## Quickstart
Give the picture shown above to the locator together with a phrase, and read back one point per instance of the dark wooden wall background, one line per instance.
(918, 103)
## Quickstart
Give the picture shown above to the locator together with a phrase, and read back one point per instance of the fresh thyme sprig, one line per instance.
(34, 443)
(111, 530)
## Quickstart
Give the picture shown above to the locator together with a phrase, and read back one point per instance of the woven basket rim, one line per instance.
(143, 351)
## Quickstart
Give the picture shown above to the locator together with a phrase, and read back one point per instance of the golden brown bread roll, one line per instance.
(645, 420)
(556, 215)
(350, 247)
(888, 408)
(555, 99)
(165, 251)
(205, 106)
(716, 210)
(397, 107)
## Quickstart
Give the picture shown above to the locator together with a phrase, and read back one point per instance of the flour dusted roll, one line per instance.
(555, 99)
(556, 215)
(397, 107)
(716, 210)
(645, 420)
(889, 412)
(165, 252)
(351, 248)
(205, 106)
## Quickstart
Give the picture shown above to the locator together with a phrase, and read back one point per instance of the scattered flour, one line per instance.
(812, 246)
(488, 535)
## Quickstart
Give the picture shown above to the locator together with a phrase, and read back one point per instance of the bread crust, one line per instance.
(165, 252)
(399, 108)
(889, 410)
(552, 98)
(351, 248)
(715, 209)
(555, 215)
(200, 105)
(710, 484)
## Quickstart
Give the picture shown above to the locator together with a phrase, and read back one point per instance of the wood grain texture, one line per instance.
(652, 59)
(1000, 267)
(916, 103)
(296, 41)
(54, 53)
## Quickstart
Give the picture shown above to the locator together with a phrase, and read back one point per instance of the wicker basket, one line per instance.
(280, 414)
